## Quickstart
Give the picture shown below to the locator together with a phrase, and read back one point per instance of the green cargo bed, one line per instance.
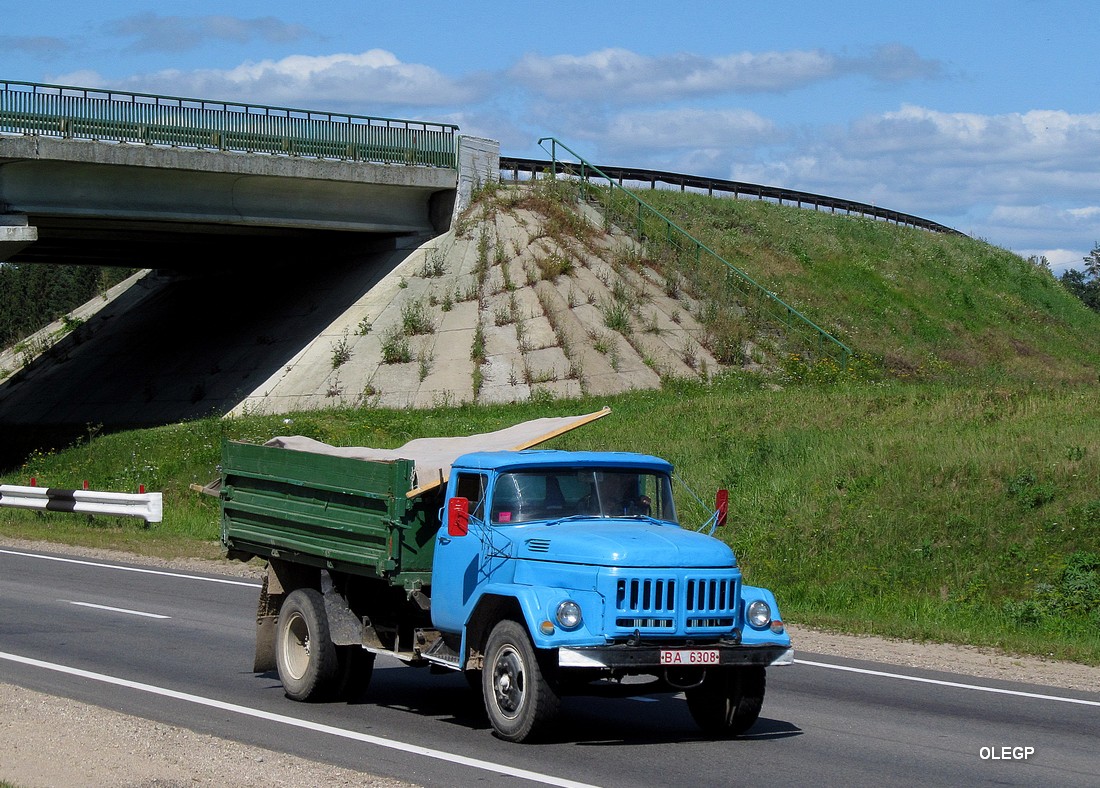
(339, 513)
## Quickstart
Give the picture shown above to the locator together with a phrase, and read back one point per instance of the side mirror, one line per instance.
(722, 506)
(458, 517)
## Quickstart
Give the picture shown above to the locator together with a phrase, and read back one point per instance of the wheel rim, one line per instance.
(509, 682)
(296, 646)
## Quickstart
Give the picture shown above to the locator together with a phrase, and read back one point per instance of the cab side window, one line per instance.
(471, 486)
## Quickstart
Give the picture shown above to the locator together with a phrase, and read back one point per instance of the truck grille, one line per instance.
(683, 604)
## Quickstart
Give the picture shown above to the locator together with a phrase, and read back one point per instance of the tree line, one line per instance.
(34, 294)
(1086, 284)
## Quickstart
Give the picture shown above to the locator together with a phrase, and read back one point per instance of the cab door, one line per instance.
(457, 563)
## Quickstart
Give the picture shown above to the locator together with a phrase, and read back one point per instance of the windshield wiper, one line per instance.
(648, 517)
(568, 517)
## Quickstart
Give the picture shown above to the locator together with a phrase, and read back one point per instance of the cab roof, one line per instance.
(539, 458)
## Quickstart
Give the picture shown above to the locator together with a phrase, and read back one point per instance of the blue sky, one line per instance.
(984, 116)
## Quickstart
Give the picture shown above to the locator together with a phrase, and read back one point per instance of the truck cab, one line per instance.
(584, 551)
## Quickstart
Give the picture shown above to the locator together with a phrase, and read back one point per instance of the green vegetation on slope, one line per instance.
(918, 303)
(953, 500)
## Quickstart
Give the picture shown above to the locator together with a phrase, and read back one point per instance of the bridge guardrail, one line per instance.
(738, 189)
(117, 116)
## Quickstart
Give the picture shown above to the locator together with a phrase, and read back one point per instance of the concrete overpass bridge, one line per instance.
(108, 178)
(263, 227)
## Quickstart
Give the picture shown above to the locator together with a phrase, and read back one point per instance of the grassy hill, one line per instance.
(945, 489)
(920, 304)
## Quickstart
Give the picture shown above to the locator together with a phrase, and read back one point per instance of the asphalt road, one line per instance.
(177, 647)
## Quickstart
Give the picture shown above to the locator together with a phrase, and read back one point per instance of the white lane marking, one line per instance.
(378, 741)
(224, 580)
(941, 683)
(114, 609)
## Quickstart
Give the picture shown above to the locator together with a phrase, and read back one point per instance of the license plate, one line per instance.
(690, 656)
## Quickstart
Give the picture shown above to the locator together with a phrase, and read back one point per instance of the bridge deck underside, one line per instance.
(185, 247)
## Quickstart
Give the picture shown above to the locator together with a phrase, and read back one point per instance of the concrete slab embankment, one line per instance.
(483, 318)
(495, 310)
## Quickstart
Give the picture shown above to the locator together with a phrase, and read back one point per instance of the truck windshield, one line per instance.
(523, 496)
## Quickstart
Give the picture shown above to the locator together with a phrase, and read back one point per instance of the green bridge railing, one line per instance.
(116, 116)
(650, 227)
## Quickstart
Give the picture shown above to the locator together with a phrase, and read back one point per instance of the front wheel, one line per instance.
(728, 701)
(519, 700)
(305, 657)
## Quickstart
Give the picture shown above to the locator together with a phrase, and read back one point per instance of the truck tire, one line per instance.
(728, 701)
(518, 698)
(305, 657)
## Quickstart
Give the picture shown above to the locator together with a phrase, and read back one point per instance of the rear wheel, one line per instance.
(519, 700)
(728, 701)
(305, 657)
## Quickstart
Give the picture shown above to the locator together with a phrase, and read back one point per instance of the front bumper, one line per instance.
(649, 656)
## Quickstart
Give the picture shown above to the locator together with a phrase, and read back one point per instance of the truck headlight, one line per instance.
(760, 614)
(569, 614)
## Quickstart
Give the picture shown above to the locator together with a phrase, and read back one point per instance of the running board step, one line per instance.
(437, 650)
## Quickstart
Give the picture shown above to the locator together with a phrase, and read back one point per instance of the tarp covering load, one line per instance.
(433, 457)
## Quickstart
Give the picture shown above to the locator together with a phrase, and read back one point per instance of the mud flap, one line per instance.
(265, 644)
(267, 617)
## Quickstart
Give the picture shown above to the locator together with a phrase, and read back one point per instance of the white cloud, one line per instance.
(1046, 216)
(1090, 214)
(917, 159)
(620, 76)
(1038, 139)
(688, 129)
(1027, 226)
(363, 81)
(85, 78)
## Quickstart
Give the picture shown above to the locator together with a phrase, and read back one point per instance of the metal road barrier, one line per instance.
(800, 199)
(118, 116)
(147, 506)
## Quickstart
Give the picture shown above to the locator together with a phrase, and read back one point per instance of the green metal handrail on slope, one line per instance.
(650, 225)
(117, 116)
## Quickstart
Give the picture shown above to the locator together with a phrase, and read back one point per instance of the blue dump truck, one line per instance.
(536, 573)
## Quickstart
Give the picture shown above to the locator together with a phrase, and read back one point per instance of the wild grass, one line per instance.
(914, 303)
(926, 510)
(416, 318)
(395, 346)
